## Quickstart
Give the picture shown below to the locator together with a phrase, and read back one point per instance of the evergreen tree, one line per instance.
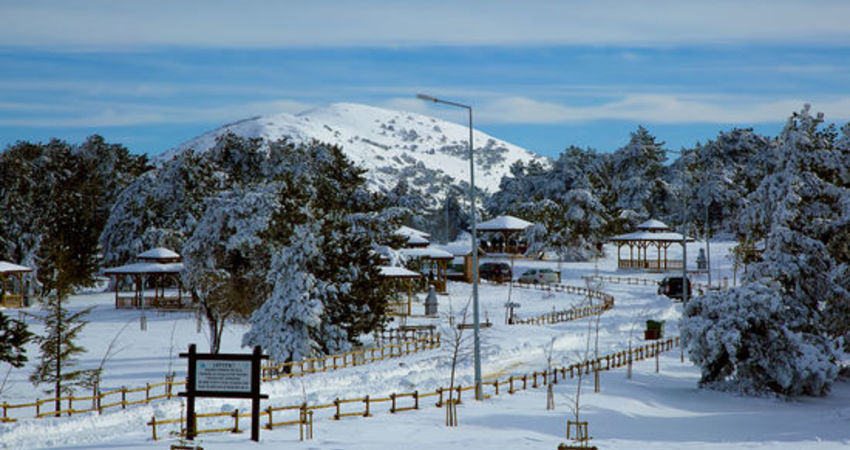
(785, 346)
(58, 347)
(14, 336)
(638, 181)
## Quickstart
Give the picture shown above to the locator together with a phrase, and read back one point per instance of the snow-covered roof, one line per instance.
(458, 248)
(407, 231)
(668, 236)
(145, 267)
(415, 239)
(427, 252)
(398, 272)
(158, 253)
(504, 223)
(653, 224)
(7, 267)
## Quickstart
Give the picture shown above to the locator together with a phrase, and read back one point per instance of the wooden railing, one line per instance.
(410, 401)
(98, 401)
(277, 371)
(607, 302)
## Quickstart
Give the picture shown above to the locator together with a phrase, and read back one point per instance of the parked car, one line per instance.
(544, 276)
(672, 287)
(495, 271)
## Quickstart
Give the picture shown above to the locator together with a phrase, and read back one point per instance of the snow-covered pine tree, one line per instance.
(560, 200)
(288, 324)
(638, 180)
(226, 258)
(720, 174)
(783, 343)
(88, 175)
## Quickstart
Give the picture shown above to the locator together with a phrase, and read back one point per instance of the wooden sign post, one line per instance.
(224, 375)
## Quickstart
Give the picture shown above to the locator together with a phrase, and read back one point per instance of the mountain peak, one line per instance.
(425, 151)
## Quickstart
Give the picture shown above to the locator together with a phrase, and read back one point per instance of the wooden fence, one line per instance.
(98, 401)
(568, 314)
(339, 408)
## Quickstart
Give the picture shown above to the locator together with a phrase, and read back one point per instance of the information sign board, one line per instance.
(223, 375)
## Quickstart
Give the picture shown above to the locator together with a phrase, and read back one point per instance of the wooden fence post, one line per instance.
(336, 403)
(153, 426)
(392, 408)
(123, 397)
(236, 421)
(270, 425)
(366, 414)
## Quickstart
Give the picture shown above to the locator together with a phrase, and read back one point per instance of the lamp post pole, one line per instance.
(475, 321)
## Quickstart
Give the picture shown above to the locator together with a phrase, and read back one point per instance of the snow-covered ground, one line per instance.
(651, 410)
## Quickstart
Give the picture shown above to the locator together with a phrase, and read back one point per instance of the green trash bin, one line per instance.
(654, 330)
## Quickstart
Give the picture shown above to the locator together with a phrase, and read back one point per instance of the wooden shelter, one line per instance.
(399, 275)
(159, 266)
(462, 252)
(434, 264)
(509, 227)
(652, 233)
(10, 298)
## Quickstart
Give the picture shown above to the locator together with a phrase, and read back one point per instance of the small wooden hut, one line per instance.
(434, 263)
(399, 276)
(12, 298)
(652, 233)
(510, 228)
(160, 267)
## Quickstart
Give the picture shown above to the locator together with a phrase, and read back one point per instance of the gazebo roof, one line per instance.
(7, 267)
(415, 240)
(653, 225)
(158, 253)
(407, 231)
(145, 268)
(427, 252)
(504, 223)
(647, 236)
(398, 272)
(459, 248)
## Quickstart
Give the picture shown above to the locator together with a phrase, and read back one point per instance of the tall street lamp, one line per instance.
(475, 322)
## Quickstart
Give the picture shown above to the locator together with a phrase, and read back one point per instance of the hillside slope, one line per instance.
(428, 152)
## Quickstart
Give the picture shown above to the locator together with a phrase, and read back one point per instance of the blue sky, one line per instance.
(545, 75)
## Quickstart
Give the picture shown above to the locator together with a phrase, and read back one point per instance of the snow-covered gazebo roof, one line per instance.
(647, 236)
(7, 267)
(653, 225)
(398, 272)
(426, 252)
(504, 223)
(407, 231)
(159, 254)
(141, 268)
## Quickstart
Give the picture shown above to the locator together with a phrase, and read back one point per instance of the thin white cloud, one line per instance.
(98, 24)
(643, 108)
(657, 108)
(111, 114)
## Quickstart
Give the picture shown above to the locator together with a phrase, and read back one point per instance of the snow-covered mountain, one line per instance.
(428, 152)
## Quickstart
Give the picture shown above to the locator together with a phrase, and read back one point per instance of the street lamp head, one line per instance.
(427, 98)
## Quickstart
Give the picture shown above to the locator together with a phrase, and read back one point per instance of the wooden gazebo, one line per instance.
(652, 233)
(398, 275)
(159, 265)
(509, 227)
(11, 299)
(462, 249)
(435, 264)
